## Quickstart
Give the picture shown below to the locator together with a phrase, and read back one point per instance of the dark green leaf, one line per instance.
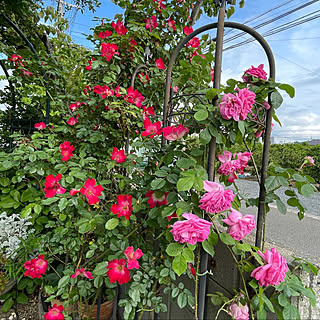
(208, 247)
(276, 99)
(188, 254)
(182, 300)
(201, 115)
(205, 136)
(157, 184)
(174, 249)
(100, 269)
(227, 239)
(281, 206)
(185, 163)
(289, 89)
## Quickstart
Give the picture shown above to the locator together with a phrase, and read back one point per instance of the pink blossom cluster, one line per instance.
(230, 166)
(239, 226)
(216, 199)
(254, 72)
(117, 269)
(191, 230)
(238, 105)
(36, 267)
(274, 269)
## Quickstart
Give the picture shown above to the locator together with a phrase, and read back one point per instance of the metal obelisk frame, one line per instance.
(220, 26)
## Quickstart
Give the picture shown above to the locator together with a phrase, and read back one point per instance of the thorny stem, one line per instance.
(254, 163)
(238, 267)
(222, 308)
(196, 285)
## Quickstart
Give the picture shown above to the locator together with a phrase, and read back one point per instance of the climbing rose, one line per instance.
(238, 105)
(254, 72)
(148, 111)
(174, 133)
(36, 267)
(144, 78)
(212, 74)
(243, 157)
(160, 5)
(309, 161)
(160, 64)
(27, 73)
(104, 91)
(124, 206)
(117, 271)
(191, 268)
(172, 216)
(82, 272)
(133, 257)
(151, 129)
(134, 97)
(73, 192)
(216, 199)
(194, 42)
(175, 89)
(90, 63)
(152, 23)
(133, 42)
(274, 269)
(72, 121)
(187, 30)
(192, 230)
(118, 155)
(119, 28)
(238, 311)
(229, 167)
(40, 126)
(54, 313)
(15, 58)
(156, 200)
(108, 50)
(51, 186)
(239, 226)
(66, 150)
(171, 24)
(74, 106)
(91, 192)
(104, 34)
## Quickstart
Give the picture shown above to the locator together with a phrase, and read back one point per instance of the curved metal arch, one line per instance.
(220, 25)
(30, 45)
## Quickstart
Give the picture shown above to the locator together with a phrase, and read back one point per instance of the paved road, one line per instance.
(300, 238)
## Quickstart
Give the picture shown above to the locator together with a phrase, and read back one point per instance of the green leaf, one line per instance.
(4, 182)
(188, 254)
(174, 249)
(22, 298)
(157, 184)
(307, 190)
(207, 247)
(182, 300)
(62, 204)
(198, 183)
(267, 302)
(244, 246)
(276, 99)
(100, 269)
(281, 206)
(271, 183)
(290, 193)
(262, 314)
(37, 209)
(185, 184)
(185, 163)
(63, 281)
(201, 115)
(227, 239)
(49, 201)
(293, 202)
(289, 89)
(168, 211)
(175, 292)
(283, 300)
(205, 136)
(98, 282)
(7, 305)
(253, 284)
(112, 223)
(211, 93)
(179, 265)
(213, 238)
(241, 127)
(290, 312)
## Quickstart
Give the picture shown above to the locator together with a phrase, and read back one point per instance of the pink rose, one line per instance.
(239, 226)
(228, 167)
(238, 312)
(273, 271)
(192, 230)
(217, 199)
(237, 106)
(174, 133)
(254, 72)
(309, 161)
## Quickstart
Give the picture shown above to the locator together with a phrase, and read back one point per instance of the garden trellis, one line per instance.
(168, 112)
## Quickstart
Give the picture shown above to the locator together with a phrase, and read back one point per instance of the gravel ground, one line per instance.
(251, 189)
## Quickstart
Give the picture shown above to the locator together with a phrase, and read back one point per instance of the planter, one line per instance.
(106, 309)
(8, 286)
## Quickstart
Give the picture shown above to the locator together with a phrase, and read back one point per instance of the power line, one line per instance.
(272, 20)
(294, 39)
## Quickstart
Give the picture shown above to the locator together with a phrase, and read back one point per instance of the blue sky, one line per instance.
(296, 52)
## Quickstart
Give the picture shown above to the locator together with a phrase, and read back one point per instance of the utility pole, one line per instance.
(60, 5)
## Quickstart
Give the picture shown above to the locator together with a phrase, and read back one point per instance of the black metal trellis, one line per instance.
(22, 123)
(167, 108)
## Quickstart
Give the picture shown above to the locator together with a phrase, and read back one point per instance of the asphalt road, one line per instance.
(299, 238)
